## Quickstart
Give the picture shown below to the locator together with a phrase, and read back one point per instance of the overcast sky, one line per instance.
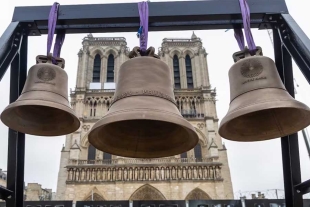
(254, 166)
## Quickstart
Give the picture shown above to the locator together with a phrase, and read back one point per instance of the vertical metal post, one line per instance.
(289, 144)
(16, 140)
(306, 139)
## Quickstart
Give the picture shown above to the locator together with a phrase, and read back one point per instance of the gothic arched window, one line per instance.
(189, 72)
(184, 155)
(110, 68)
(107, 156)
(91, 152)
(96, 69)
(176, 71)
(197, 151)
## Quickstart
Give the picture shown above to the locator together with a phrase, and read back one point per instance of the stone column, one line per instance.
(183, 72)
(103, 71)
(170, 65)
(202, 70)
(117, 61)
(83, 69)
(79, 75)
(193, 72)
(207, 69)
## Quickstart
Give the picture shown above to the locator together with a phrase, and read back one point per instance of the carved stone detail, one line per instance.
(190, 106)
(77, 174)
(200, 126)
(147, 192)
(86, 127)
(197, 194)
(144, 93)
(94, 197)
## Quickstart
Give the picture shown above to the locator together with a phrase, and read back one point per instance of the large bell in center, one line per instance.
(143, 120)
(43, 108)
(260, 107)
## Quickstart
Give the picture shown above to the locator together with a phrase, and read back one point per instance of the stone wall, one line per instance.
(173, 190)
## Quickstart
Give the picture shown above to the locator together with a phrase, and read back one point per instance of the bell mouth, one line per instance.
(41, 118)
(265, 121)
(148, 137)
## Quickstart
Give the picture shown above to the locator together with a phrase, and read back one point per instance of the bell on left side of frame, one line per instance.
(43, 108)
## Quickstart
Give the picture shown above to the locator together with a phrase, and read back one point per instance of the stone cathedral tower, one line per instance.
(201, 173)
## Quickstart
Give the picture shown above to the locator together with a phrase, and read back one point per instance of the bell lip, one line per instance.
(75, 126)
(136, 115)
(263, 106)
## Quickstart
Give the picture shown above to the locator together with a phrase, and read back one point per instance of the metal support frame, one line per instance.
(289, 144)
(289, 41)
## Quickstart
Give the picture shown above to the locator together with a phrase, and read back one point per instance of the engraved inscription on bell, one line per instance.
(46, 74)
(251, 68)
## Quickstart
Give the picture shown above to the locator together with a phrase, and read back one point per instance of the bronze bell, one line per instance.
(143, 120)
(260, 107)
(43, 108)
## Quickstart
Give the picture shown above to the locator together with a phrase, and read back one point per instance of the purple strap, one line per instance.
(240, 38)
(144, 23)
(60, 38)
(52, 20)
(245, 11)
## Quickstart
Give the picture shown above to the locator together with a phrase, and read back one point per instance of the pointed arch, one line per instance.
(96, 50)
(189, 52)
(84, 140)
(202, 137)
(111, 50)
(147, 192)
(197, 194)
(95, 195)
(175, 51)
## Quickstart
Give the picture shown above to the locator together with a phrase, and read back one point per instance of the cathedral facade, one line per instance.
(89, 174)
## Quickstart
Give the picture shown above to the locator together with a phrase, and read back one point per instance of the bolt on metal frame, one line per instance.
(289, 42)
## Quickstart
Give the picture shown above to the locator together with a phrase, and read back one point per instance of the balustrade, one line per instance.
(190, 106)
(143, 161)
(77, 174)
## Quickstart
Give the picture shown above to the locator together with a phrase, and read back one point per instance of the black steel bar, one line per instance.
(13, 136)
(306, 139)
(5, 193)
(211, 14)
(289, 144)
(20, 187)
(8, 48)
(155, 26)
(16, 140)
(297, 43)
(303, 187)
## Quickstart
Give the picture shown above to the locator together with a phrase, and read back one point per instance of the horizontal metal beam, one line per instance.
(303, 188)
(163, 16)
(9, 46)
(5, 193)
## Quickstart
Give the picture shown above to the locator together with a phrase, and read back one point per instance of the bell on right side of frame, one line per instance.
(260, 106)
